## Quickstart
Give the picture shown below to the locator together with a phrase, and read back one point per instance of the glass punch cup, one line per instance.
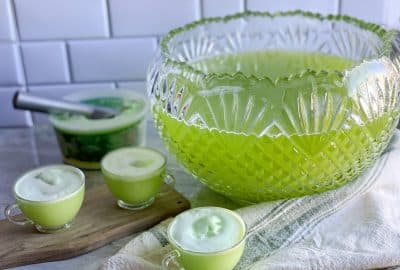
(134, 175)
(211, 238)
(49, 197)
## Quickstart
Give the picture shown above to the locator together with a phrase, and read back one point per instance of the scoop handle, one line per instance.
(27, 101)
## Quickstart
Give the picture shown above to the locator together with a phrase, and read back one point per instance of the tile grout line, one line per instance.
(130, 37)
(28, 115)
(200, 10)
(15, 21)
(22, 62)
(18, 43)
(34, 85)
(109, 24)
(69, 62)
(339, 7)
(72, 86)
(244, 5)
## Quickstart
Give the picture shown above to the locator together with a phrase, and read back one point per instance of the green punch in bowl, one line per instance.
(262, 106)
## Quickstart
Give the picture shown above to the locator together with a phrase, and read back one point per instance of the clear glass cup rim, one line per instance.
(78, 171)
(386, 36)
(199, 253)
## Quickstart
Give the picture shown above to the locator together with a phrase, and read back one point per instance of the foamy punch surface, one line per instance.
(207, 229)
(133, 162)
(48, 183)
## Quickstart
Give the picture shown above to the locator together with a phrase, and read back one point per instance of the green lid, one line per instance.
(132, 108)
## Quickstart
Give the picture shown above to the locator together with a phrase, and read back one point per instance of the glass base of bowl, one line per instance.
(138, 206)
(44, 229)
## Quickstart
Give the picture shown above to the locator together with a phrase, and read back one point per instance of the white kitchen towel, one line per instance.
(354, 227)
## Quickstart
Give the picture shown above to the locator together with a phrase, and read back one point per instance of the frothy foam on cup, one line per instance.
(208, 229)
(48, 183)
(134, 163)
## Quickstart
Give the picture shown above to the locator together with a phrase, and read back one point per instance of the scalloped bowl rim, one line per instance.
(386, 36)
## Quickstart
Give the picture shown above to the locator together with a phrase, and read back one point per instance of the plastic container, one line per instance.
(83, 142)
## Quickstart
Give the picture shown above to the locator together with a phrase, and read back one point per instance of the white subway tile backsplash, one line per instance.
(45, 62)
(9, 117)
(371, 10)
(391, 13)
(58, 91)
(324, 7)
(212, 8)
(117, 59)
(7, 24)
(61, 19)
(151, 17)
(71, 45)
(138, 86)
(11, 72)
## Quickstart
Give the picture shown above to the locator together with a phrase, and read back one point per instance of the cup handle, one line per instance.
(10, 217)
(170, 261)
(169, 179)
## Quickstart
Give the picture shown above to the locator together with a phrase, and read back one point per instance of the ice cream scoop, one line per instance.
(28, 101)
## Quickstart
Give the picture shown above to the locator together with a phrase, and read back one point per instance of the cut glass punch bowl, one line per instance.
(262, 106)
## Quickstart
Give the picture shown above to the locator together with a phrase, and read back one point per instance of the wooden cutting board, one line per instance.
(99, 222)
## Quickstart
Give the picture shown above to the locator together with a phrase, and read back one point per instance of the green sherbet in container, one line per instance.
(83, 141)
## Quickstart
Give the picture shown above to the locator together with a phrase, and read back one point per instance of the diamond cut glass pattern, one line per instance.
(263, 106)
